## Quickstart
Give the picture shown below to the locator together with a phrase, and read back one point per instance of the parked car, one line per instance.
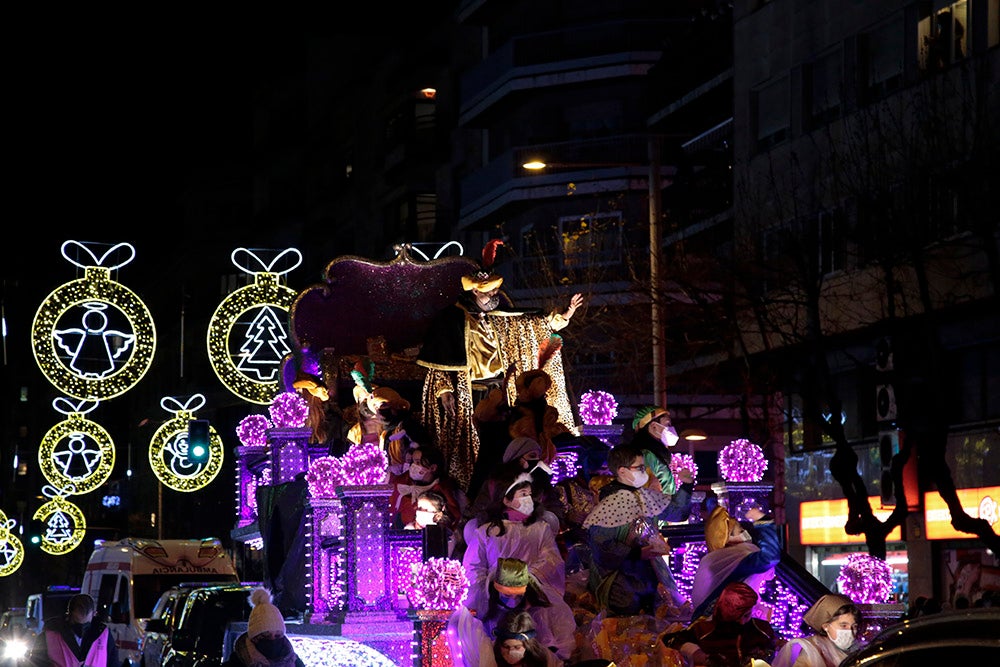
(198, 634)
(159, 628)
(966, 637)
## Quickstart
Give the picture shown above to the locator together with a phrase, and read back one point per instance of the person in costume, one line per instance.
(425, 473)
(467, 351)
(735, 553)
(834, 619)
(75, 638)
(626, 547)
(731, 637)
(514, 528)
(655, 435)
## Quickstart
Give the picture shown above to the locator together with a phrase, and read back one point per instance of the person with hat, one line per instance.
(468, 349)
(655, 435)
(513, 527)
(834, 619)
(731, 637)
(75, 638)
(513, 588)
(736, 552)
(265, 643)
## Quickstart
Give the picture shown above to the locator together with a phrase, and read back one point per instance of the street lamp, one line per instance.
(655, 184)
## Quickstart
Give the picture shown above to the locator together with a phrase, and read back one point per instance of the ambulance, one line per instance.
(127, 577)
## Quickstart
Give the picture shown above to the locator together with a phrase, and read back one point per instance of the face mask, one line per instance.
(844, 639)
(514, 655)
(419, 473)
(665, 434)
(425, 518)
(639, 479)
(525, 506)
(270, 648)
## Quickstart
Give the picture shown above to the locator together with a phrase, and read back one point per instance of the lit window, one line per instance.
(591, 240)
(942, 35)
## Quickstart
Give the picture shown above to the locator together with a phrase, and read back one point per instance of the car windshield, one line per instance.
(210, 612)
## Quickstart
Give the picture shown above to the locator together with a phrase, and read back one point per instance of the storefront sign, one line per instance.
(822, 522)
(979, 503)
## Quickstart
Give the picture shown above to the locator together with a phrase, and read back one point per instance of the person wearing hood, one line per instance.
(265, 643)
(626, 547)
(75, 638)
(834, 619)
(736, 552)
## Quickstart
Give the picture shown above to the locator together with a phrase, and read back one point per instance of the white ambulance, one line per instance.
(127, 577)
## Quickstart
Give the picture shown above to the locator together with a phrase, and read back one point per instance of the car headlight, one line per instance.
(15, 649)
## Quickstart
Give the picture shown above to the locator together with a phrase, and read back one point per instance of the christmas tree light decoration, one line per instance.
(76, 451)
(168, 448)
(93, 338)
(598, 408)
(64, 522)
(11, 549)
(742, 461)
(289, 410)
(865, 579)
(439, 584)
(252, 430)
(248, 335)
(678, 461)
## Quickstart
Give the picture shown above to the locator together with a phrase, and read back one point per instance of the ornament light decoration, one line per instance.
(679, 460)
(76, 451)
(168, 448)
(248, 335)
(438, 583)
(742, 461)
(252, 430)
(598, 408)
(289, 410)
(865, 579)
(93, 338)
(365, 463)
(65, 525)
(11, 549)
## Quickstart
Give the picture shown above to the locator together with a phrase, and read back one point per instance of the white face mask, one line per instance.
(525, 505)
(843, 638)
(665, 434)
(639, 479)
(514, 655)
(420, 473)
(425, 518)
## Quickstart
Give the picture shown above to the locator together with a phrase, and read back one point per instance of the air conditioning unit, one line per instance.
(885, 403)
(883, 354)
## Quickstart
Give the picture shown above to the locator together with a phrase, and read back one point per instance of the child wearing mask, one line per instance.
(516, 644)
(431, 516)
(626, 546)
(424, 474)
(834, 619)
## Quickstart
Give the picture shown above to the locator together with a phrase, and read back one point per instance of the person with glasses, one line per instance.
(626, 548)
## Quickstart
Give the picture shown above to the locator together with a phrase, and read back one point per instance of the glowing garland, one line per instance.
(11, 549)
(865, 579)
(65, 525)
(598, 408)
(439, 584)
(289, 410)
(168, 449)
(69, 446)
(93, 338)
(252, 430)
(742, 461)
(679, 461)
(248, 333)
(365, 463)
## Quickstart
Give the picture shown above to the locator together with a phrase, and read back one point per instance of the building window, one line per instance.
(772, 113)
(831, 228)
(590, 240)
(825, 80)
(882, 60)
(942, 32)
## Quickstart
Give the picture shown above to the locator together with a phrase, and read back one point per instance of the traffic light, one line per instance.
(198, 440)
(35, 530)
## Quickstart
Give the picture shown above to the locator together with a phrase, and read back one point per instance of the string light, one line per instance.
(168, 448)
(865, 579)
(78, 445)
(252, 430)
(289, 410)
(742, 461)
(597, 408)
(679, 461)
(438, 584)
(11, 549)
